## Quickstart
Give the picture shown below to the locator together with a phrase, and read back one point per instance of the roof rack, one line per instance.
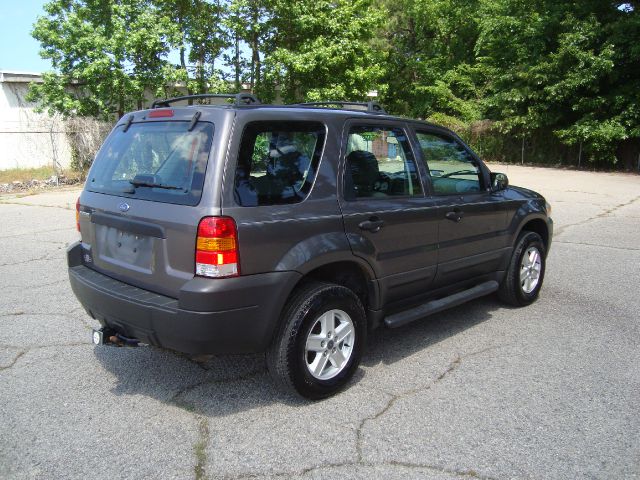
(240, 99)
(370, 106)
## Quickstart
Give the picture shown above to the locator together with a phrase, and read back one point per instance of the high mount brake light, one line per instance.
(160, 113)
(217, 248)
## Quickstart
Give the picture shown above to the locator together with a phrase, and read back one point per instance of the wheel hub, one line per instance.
(329, 344)
(530, 268)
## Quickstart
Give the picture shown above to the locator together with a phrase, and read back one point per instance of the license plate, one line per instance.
(124, 248)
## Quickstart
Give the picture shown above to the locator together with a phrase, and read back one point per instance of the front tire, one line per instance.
(523, 280)
(320, 341)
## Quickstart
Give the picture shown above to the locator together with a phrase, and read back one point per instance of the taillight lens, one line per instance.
(78, 214)
(217, 248)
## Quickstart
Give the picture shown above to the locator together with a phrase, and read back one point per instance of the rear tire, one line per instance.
(320, 341)
(523, 280)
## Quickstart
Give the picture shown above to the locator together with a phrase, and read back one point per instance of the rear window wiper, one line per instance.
(142, 183)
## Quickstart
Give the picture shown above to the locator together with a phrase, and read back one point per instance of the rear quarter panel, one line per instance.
(296, 236)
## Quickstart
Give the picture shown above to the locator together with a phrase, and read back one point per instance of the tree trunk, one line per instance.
(255, 54)
(237, 62)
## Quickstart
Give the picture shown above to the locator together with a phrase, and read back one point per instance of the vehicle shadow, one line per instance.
(388, 346)
(228, 384)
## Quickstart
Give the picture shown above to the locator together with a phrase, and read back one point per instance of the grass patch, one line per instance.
(26, 174)
(39, 173)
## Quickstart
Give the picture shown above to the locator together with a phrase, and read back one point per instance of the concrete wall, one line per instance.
(28, 139)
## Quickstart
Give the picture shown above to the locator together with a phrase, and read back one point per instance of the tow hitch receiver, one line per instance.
(107, 336)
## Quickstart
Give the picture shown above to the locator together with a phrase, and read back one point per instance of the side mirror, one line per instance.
(499, 181)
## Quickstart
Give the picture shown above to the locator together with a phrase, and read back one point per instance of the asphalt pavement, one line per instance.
(550, 391)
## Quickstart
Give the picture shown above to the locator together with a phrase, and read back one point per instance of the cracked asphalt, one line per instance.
(483, 391)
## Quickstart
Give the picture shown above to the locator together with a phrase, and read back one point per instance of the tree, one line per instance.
(250, 21)
(431, 68)
(566, 67)
(105, 54)
(321, 50)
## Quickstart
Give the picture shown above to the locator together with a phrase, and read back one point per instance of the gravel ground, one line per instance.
(484, 391)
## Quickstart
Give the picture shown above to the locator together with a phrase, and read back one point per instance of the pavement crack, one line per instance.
(394, 398)
(626, 249)
(461, 473)
(21, 204)
(604, 213)
(16, 358)
(200, 448)
(469, 473)
(455, 363)
(22, 262)
(26, 350)
(177, 400)
(66, 229)
(49, 345)
(19, 313)
(14, 314)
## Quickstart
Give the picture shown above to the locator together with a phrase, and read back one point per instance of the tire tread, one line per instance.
(281, 351)
(509, 288)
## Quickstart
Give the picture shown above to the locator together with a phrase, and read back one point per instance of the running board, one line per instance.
(435, 306)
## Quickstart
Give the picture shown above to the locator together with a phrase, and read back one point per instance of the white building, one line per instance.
(28, 139)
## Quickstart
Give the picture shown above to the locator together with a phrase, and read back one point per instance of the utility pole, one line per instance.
(580, 154)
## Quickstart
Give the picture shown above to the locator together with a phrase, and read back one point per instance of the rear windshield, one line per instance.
(159, 161)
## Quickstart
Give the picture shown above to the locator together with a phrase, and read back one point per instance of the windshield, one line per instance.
(160, 161)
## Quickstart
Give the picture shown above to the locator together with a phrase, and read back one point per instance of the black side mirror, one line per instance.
(499, 181)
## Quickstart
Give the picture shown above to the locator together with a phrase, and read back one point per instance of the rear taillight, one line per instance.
(78, 214)
(217, 248)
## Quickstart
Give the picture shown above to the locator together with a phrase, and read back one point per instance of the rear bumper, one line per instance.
(234, 315)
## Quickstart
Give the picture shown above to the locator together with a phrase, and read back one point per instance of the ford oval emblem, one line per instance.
(123, 207)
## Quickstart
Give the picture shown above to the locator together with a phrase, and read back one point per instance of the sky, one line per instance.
(18, 51)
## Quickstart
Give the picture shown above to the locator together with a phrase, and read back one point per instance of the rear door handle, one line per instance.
(455, 216)
(374, 224)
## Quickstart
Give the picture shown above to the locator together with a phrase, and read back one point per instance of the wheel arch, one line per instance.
(539, 226)
(348, 271)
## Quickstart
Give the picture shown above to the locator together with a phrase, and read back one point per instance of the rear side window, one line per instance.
(159, 161)
(453, 170)
(277, 162)
(381, 163)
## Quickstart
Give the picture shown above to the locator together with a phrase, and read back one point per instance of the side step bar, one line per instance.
(435, 306)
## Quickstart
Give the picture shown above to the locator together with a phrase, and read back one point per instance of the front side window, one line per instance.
(277, 162)
(453, 170)
(159, 161)
(380, 163)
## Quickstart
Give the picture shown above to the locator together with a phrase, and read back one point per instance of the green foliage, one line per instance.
(322, 50)
(557, 66)
(562, 75)
(110, 52)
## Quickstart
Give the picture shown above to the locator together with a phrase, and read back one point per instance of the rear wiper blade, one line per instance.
(136, 183)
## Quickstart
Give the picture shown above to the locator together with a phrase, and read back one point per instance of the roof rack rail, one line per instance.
(371, 106)
(240, 99)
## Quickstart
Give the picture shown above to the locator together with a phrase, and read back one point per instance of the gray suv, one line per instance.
(293, 230)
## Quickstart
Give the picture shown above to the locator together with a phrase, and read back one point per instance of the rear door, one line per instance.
(473, 237)
(139, 210)
(388, 220)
